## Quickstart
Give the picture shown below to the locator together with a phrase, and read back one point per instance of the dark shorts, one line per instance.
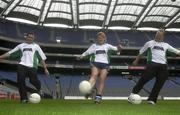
(100, 65)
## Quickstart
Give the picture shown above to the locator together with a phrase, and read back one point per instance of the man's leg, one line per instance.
(147, 76)
(34, 79)
(21, 76)
(160, 80)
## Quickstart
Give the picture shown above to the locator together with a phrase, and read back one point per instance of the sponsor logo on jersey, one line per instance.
(100, 52)
(158, 48)
(27, 49)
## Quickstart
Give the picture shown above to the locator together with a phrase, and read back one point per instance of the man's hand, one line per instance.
(135, 63)
(119, 47)
(79, 57)
(3, 56)
(46, 71)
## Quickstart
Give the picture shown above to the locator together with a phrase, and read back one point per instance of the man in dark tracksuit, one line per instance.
(156, 65)
(29, 55)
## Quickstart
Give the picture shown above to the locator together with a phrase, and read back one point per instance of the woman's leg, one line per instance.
(93, 77)
(102, 78)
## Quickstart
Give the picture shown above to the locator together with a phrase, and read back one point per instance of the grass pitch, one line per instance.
(88, 107)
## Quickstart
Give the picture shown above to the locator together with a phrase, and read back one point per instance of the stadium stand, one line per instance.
(81, 37)
(8, 79)
(62, 60)
(61, 85)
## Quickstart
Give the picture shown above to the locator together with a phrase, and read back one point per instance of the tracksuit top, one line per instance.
(28, 54)
(157, 51)
(100, 53)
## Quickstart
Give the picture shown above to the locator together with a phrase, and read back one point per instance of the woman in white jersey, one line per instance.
(156, 65)
(29, 54)
(99, 58)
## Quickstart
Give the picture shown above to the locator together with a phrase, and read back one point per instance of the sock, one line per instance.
(99, 96)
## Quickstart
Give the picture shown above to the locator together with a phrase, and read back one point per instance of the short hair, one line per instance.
(101, 33)
(30, 33)
(161, 30)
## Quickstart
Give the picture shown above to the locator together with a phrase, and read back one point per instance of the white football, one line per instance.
(85, 87)
(135, 99)
(34, 98)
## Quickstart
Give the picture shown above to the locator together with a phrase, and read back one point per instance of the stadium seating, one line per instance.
(81, 37)
(67, 85)
(61, 85)
(48, 84)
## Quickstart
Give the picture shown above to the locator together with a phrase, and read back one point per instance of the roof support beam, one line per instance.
(144, 12)
(125, 14)
(74, 10)
(166, 5)
(46, 10)
(41, 12)
(72, 13)
(61, 12)
(77, 10)
(131, 4)
(106, 13)
(166, 16)
(110, 13)
(84, 3)
(173, 18)
(28, 7)
(65, 2)
(92, 13)
(9, 8)
(6, 1)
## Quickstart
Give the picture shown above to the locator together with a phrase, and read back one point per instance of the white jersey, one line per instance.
(100, 53)
(29, 54)
(157, 51)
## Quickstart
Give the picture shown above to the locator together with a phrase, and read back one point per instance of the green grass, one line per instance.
(87, 107)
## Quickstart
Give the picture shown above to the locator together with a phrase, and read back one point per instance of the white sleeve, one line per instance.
(41, 53)
(111, 47)
(89, 51)
(15, 49)
(144, 48)
(172, 49)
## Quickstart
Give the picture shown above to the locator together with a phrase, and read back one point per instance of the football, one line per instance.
(85, 87)
(34, 98)
(135, 99)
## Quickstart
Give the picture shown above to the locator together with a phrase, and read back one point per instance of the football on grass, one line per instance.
(84, 87)
(34, 98)
(135, 99)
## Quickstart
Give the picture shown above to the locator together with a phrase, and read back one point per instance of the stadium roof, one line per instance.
(103, 14)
